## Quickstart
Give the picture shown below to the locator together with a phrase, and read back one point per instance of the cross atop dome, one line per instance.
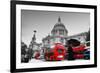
(59, 29)
(59, 19)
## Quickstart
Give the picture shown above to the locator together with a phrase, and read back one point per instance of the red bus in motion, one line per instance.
(56, 53)
(79, 51)
(76, 50)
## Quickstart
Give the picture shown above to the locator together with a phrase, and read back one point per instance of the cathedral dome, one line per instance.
(59, 28)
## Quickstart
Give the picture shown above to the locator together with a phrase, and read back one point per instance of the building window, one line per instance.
(61, 32)
(61, 40)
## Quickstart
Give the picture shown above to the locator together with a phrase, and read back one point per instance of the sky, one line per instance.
(44, 21)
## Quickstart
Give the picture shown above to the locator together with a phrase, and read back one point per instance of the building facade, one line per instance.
(80, 37)
(59, 34)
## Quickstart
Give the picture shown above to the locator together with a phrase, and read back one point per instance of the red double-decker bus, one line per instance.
(77, 49)
(56, 53)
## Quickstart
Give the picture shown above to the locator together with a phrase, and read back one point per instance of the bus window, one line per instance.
(60, 51)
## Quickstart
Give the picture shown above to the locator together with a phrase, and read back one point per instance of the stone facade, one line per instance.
(59, 34)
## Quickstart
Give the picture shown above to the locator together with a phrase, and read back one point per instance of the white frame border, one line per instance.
(20, 65)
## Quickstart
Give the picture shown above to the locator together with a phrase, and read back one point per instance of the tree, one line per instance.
(23, 47)
(24, 55)
(30, 53)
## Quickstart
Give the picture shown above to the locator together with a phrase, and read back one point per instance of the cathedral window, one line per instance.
(61, 32)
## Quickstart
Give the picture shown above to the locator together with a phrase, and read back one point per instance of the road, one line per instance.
(36, 61)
